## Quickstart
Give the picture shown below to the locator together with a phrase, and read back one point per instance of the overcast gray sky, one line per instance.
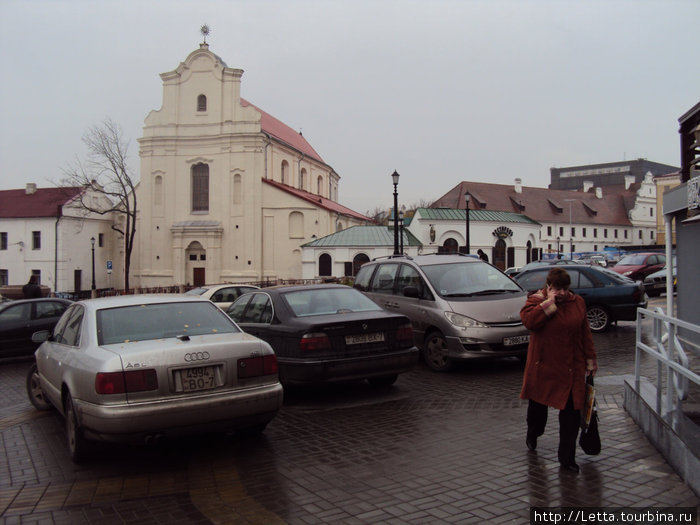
(440, 90)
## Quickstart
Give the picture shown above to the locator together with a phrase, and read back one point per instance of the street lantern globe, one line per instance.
(92, 241)
(395, 177)
(467, 198)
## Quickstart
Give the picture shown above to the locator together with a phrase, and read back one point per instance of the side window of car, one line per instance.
(652, 260)
(534, 280)
(409, 276)
(662, 259)
(259, 309)
(17, 313)
(47, 309)
(235, 311)
(363, 276)
(61, 325)
(383, 281)
(71, 334)
(583, 281)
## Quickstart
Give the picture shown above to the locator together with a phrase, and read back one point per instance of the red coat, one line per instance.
(560, 343)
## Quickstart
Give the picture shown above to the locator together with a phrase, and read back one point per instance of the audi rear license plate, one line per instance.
(194, 379)
(364, 338)
(516, 340)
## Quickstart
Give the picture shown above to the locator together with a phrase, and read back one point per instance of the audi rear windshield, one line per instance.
(145, 322)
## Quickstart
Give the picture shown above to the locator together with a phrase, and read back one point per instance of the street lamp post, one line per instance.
(467, 198)
(92, 241)
(571, 235)
(401, 233)
(558, 252)
(395, 179)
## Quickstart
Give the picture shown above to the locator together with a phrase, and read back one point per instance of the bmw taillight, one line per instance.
(126, 382)
(263, 365)
(405, 334)
(314, 341)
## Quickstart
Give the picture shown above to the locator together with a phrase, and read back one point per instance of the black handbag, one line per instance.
(590, 439)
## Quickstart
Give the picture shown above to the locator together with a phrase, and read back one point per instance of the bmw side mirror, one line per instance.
(40, 336)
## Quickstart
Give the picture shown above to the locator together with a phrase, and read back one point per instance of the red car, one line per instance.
(637, 266)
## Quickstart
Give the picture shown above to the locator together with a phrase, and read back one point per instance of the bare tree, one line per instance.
(106, 172)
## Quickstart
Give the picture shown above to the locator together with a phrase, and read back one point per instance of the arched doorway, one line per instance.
(499, 254)
(195, 264)
(450, 246)
(325, 265)
(358, 261)
(528, 255)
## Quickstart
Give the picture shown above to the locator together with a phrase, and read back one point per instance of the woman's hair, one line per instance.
(558, 278)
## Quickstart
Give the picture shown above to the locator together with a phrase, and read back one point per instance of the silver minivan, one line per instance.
(460, 306)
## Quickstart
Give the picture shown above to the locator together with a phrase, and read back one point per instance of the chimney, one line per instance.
(518, 185)
(629, 180)
(599, 193)
(30, 189)
(587, 185)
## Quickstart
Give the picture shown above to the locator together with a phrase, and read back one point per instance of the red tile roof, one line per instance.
(44, 202)
(543, 204)
(284, 133)
(319, 201)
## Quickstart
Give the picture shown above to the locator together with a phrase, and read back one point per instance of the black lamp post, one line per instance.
(467, 198)
(401, 234)
(395, 179)
(92, 241)
(558, 252)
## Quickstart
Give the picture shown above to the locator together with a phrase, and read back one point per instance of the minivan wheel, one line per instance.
(34, 390)
(435, 353)
(598, 318)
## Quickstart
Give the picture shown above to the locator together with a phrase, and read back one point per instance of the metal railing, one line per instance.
(666, 347)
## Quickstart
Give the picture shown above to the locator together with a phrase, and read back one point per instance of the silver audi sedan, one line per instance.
(139, 368)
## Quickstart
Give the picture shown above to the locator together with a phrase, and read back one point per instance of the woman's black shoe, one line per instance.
(531, 443)
(571, 467)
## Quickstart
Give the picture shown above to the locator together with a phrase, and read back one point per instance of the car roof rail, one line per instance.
(393, 256)
(461, 254)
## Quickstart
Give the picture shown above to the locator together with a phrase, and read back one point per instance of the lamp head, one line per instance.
(92, 241)
(467, 198)
(395, 177)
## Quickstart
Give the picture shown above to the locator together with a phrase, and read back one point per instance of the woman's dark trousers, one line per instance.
(569, 421)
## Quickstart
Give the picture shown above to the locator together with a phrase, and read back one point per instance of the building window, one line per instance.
(573, 249)
(201, 103)
(3, 240)
(325, 265)
(36, 240)
(37, 275)
(200, 187)
(651, 234)
(651, 212)
(561, 231)
(237, 188)
(101, 240)
(302, 179)
(595, 247)
(605, 233)
(625, 234)
(285, 171)
(319, 185)
(4, 277)
(595, 233)
(615, 233)
(584, 232)
(640, 234)
(549, 231)
(573, 232)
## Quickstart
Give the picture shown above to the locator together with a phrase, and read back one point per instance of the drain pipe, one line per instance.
(668, 219)
(55, 248)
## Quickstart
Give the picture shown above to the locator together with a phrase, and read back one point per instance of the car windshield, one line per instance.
(158, 321)
(320, 301)
(468, 279)
(196, 291)
(632, 260)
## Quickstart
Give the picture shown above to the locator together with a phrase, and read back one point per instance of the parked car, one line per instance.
(460, 307)
(655, 283)
(609, 296)
(138, 368)
(637, 266)
(546, 262)
(222, 294)
(326, 332)
(512, 271)
(21, 318)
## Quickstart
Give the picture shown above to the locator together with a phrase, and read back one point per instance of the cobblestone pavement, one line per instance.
(435, 448)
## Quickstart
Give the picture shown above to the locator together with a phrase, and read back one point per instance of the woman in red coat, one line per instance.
(560, 354)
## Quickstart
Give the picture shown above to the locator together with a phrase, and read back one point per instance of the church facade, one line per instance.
(228, 193)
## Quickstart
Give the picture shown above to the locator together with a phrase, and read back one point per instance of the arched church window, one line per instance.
(202, 103)
(285, 172)
(200, 187)
(325, 265)
(319, 188)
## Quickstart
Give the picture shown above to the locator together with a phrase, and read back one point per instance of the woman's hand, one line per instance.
(591, 366)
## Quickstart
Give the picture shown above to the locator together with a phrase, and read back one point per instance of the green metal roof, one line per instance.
(363, 236)
(453, 214)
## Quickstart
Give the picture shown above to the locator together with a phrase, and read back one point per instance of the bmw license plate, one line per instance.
(364, 338)
(194, 379)
(516, 340)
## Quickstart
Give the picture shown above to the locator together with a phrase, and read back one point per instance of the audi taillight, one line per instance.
(314, 341)
(257, 366)
(405, 334)
(126, 382)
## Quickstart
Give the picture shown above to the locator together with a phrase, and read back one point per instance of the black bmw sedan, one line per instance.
(324, 333)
